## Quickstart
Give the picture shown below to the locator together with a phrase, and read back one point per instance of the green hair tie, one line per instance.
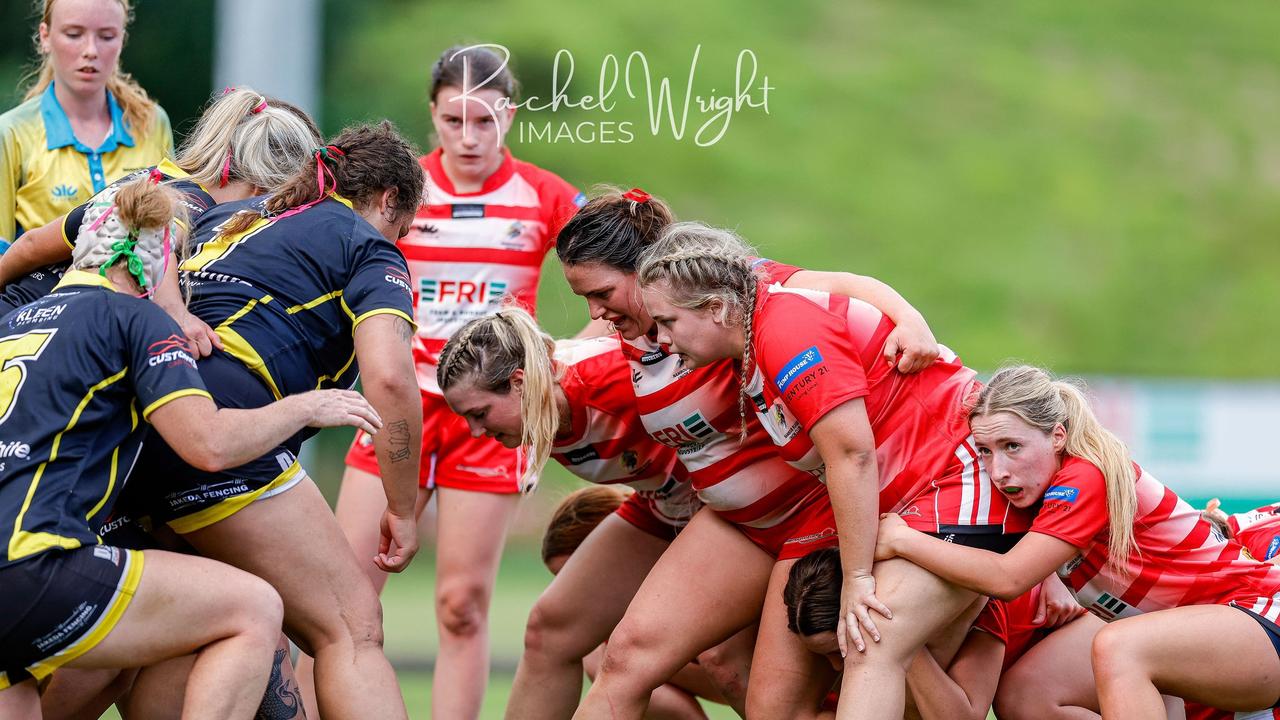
(133, 263)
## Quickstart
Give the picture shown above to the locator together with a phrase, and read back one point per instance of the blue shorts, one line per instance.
(1272, 630)
(169, 491)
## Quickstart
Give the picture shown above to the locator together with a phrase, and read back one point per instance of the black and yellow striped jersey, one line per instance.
(39, 283)
(81, 369)
(286, 296)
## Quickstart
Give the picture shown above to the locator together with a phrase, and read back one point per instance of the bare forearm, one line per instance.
(399, 445)
(982, 571)
(234, 437)
(169, 294)
(867, 289)
(854, 486)
(35, 249)
(936, 694)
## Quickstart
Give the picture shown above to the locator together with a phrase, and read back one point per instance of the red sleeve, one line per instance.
(774, 271)
(994, 620)
(559, 201)
(813, 371)
(1075, 504)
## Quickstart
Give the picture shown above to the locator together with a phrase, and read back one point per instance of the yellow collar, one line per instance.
(84, 277)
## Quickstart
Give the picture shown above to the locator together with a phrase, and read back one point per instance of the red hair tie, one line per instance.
(156, 176)
(636, 195)
(259, 107)
(335, 150)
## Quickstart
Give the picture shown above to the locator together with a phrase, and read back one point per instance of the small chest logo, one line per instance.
(64, 192)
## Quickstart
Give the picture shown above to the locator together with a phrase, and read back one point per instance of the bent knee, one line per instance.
(261, 611)
(463, 609)
(1116, 650)
(551, 632)
(727, 670)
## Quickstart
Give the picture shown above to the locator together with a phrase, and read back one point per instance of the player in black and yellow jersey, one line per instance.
(304, 288)
(244, 145)
(84, 370)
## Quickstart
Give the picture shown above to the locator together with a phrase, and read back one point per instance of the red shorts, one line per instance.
(450, 456)
(810, 527)
(638, 509)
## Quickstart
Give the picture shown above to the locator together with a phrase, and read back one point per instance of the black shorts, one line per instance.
(168, 490)
(1272, 630)
(59, 604)
(981, 537)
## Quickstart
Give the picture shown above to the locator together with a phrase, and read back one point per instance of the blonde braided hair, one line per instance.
(489, 350)
(703, 265)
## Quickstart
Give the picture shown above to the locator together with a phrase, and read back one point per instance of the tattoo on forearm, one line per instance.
(282, 701)
(404, 329)
(398, 432)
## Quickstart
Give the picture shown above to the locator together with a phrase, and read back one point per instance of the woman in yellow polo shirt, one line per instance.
(84, 123)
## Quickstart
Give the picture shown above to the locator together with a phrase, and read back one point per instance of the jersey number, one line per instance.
(15, 351)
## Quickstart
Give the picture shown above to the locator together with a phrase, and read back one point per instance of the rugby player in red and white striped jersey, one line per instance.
(1132, 552)
(881, 440)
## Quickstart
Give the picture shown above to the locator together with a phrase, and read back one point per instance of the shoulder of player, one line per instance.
(1075, 474)
(546, 182)
(773, 298)
(20, 117)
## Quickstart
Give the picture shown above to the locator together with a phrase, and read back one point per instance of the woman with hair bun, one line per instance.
(1132, 551)
(84, 124)
(94, 363)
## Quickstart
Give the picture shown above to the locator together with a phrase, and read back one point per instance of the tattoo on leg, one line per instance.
(399, 434)
(282, 701)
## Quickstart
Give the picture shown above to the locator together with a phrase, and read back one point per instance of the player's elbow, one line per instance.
(203, 451)
(386, 381)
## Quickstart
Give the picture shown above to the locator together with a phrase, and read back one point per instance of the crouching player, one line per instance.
(84, 369)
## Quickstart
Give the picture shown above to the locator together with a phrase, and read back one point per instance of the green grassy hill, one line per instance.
(1089, 186)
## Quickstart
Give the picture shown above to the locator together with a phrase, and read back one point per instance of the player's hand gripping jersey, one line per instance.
(83, 368)
(469, 250)
(929, 472)
(285, 297)
(1258, 531)
(607, 443)
(784, 511)
(1178, 558)
(40, 282)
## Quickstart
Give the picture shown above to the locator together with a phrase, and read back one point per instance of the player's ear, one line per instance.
(517, 380)
(387, 204)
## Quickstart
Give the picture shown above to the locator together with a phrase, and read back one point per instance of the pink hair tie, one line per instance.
(228, 90)
(156, 176)
(226, 170)
(636, 195)
(259, 107)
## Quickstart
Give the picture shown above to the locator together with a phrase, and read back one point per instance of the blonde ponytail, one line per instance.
(491, 349)
(1042, 402)
(244, 136)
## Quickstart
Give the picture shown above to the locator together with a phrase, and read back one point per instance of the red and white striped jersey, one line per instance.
(1196, 711)
(1258, 531)
(607, 443)
(929, 472)
(1178, 559)
(695, 411)
(467, 251)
